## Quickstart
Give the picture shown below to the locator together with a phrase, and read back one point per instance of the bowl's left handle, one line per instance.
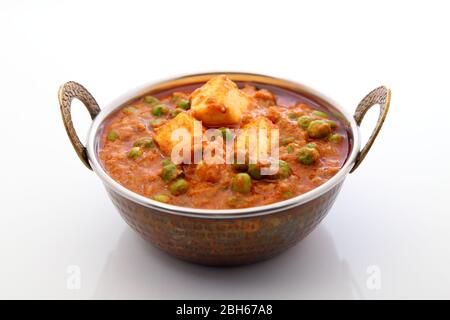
(67, 92)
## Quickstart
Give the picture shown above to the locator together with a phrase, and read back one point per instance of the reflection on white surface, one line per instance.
(312, 269)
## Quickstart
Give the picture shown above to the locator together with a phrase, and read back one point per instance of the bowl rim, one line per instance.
(109, 182)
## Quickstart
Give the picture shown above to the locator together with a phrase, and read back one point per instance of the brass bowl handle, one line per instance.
(380, 96)
(67, 92)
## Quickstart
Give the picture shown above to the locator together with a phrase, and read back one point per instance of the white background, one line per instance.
(393, 212)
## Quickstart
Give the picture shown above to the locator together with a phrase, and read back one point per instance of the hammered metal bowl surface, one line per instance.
(225, 242)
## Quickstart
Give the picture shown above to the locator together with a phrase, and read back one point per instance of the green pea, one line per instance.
(311, 145)
(234, 202)
(304, 121)
(161, 198)
(283, 170)
(290, 149)
(166, 162)
(178, 96)
(134, 152)
(254, 171)
(175, 112)
(178, 187)
(242, 183)
(287, 194)
(292, 115)
(226, 134)
(144, 142)
(308, 156)
(319, 114)
(112, 135)
(319, 129)
(286, 140)
(129, 110)
(169, 172)
(151, 100)
(160, 110)
(184, 104)
(156, 123)
(335, 138)
(332, 124)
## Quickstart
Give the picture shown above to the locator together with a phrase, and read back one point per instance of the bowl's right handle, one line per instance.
(67, 92)
(380, 96)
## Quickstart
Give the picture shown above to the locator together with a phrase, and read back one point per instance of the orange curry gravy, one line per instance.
(211, 186)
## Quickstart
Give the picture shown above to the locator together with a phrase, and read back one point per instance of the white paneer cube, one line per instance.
(163, 135)
(255, 138)
(219, 102)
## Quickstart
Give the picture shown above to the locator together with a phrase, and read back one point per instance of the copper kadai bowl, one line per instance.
(222, 237)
